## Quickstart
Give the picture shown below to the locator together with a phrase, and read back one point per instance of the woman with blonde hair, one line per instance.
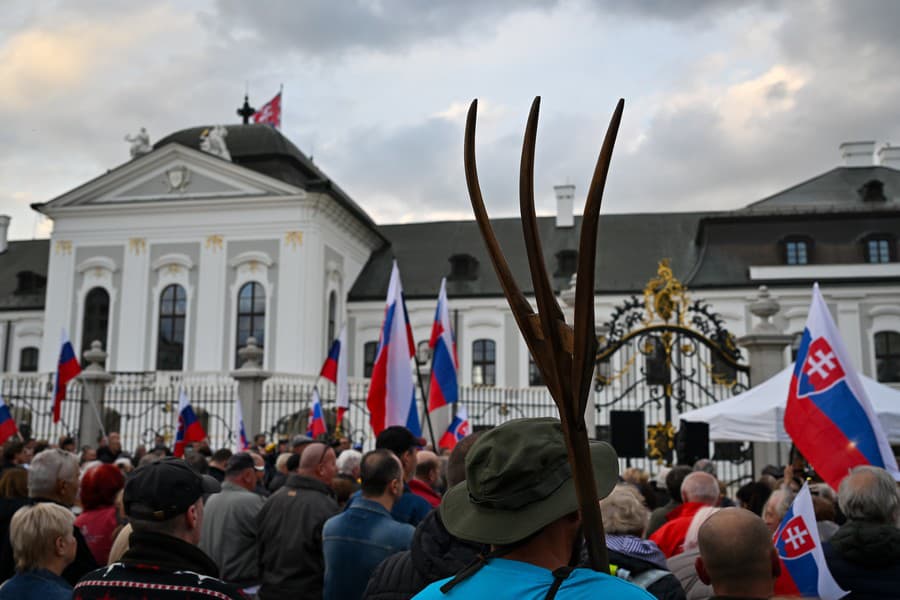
(43, 544)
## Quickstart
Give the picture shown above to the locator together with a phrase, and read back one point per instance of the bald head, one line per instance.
(737, 567)
(319, 462)
(700, 487)
(428, 466)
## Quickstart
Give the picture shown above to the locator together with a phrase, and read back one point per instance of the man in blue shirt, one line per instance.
(519, 497)
(358, 539)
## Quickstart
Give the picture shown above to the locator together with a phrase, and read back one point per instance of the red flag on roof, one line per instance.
(270, 113)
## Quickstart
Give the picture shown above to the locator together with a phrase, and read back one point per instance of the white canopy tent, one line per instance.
(757, 415)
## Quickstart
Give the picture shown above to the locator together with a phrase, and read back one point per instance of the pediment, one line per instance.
(174, 173)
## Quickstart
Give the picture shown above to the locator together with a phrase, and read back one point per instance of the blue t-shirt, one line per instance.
(502, 578)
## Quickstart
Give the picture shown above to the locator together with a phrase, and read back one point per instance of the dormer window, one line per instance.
(566, 263)
(878, 249)
(796, 251)
(872, 191)
(29, 282)
(463, 267)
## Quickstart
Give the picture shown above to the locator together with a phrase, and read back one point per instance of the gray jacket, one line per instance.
(682, 566)
(229, 533)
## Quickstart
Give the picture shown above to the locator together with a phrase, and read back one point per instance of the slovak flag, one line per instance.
(828, 415)
(7, 423)
(316, 421)
(459, 428)
(270, 113)
(241, 442)
(335, 371)
(392, 393)
(67, 369)
(804, 571)
(189, 428)
(444, 388)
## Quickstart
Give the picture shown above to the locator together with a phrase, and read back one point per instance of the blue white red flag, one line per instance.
(241, 443)
(7, 423)
(828, 415)
(67, 369)
(335, 371)
(458, 429)
(190, 429)
(316, 421)
(444, 388)
(392, 393)
(804, 571)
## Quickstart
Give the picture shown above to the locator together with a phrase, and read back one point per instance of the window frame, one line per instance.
(486, 367)
(892, 354)
(254, 316)
(807, 250)
(32, 368)
(163, 316)
(88, 334)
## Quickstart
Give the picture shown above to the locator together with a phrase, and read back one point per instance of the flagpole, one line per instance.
(425, 401)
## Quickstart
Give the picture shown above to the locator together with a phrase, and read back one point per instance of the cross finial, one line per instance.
(246, 111)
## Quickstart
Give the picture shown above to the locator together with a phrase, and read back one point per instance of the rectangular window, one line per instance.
(369, 350)
(796, 252)
(484, 362)
(878, 251)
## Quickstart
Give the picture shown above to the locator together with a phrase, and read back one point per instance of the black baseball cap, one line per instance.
(164, 489)
(398, 439)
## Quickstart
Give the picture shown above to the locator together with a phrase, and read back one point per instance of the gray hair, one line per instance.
(700, 486)
(49, 467)
(869, 494)
(348, 461)
(624, 512)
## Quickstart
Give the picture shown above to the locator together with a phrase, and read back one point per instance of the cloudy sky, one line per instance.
(726, 101)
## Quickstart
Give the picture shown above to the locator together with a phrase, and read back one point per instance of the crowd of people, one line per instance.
(496, 518)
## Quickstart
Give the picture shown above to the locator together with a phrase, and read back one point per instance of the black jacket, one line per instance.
(864, 558)
(157, 566)
(289, 539)
(434, 554)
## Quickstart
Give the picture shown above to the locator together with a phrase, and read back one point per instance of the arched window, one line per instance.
(28, 360)
(251, 315)
(369, 350)
(887, 356)
(170, 340)
(484, 367)
(95, 323)
(332, 318)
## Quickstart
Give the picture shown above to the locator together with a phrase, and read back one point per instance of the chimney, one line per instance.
(565, 198)
(858, 154)
(889, 156)
(4, 227)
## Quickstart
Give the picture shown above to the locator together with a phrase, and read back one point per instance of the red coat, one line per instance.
(670, 537)
(420, 488)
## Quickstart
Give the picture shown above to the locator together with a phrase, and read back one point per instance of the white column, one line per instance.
(289, 342)
(60, 300)
(211, 318)
(848, 321)
(132, 326)
(311, 303)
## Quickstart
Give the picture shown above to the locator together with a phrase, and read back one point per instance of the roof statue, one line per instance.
(212, 141)
(564, 354)
(140, 143)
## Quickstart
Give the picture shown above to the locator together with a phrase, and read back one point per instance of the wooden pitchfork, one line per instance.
(564, 354)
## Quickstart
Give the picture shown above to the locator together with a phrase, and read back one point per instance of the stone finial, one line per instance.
(250, 355)
(765, 307)
(140, 143)
(95, 357)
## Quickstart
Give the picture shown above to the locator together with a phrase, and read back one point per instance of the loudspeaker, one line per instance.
(692, 442)
(627, 434)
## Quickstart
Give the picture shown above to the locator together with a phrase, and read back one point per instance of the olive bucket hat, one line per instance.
(518, 480)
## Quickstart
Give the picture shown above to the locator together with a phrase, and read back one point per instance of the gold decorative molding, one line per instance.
(660, 441)
(63, 247)
(294, 239)
(253, 266)
(98, 272)
(665, 295)
(214, 242)
(137, 245)
(173, 269)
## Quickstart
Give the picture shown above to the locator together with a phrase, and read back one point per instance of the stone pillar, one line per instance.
(765, 346)
(250, 377)
(94, 379)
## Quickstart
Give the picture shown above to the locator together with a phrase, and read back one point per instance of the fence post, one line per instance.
(250, 377)
(94, 379)
(765, 346)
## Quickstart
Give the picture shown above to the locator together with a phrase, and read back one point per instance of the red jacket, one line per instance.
(420, 488)
(670, 537)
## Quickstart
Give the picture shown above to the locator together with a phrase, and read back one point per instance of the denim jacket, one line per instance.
(355, 542)
(39, 584)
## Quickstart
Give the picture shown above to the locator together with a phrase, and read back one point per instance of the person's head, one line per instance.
(197, 462)
(42, 537)
(281, 462)
(293, 463)
(67, 443)
(705, 465)
(519, 485)
(99, 486)
(220, 458)
(124, 464)
(776, 507)
(115, 442)
(16, 452)
(382, 476)
(348, 463)
(456, 462)
(428, 467)
(869, 494)
(636, 476)
(624, 512)
(691, 538)
(14, 483)
(88, 454)
(54, 475)
(404, 444)
(753, 496)
(259, 465)
(702, 487)
(166, 497)
(259, 440)
(241, 471)
(299, 443)
(319, 462)
(736, 554)
(674, 479)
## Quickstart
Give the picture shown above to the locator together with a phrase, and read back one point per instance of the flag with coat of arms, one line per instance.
(458, 429)
(270, 113)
